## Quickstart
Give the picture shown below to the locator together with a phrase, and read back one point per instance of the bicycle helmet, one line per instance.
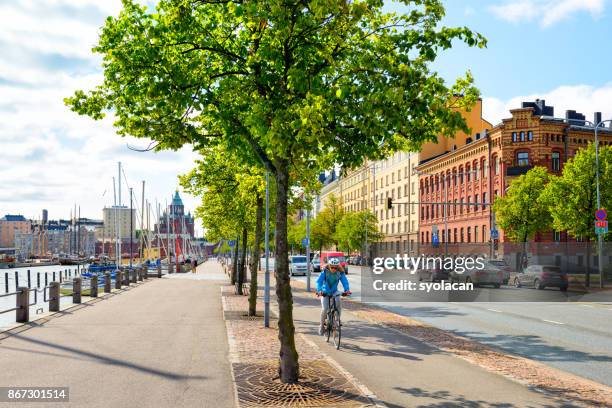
(334, 262)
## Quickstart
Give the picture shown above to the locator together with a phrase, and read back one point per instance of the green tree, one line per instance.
(572, 197)
(351, 230)
(326, 223)
(521, 213)
(297, 83)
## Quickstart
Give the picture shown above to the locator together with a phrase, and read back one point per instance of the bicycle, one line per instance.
(332, 324)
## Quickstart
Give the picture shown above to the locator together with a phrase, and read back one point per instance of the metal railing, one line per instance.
(52, 291)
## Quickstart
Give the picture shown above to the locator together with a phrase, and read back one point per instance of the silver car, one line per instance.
(542, 276)
(298, 265)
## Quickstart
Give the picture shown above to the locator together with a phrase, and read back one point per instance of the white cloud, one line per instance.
(546, 12)
(582, 98)
(51, 157)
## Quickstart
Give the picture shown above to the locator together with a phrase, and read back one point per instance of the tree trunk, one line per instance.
(235, 262)
(288, 370)
(256, 256)
(587, 277)
(242, 271)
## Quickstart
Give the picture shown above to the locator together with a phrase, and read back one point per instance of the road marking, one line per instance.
(552, 321)
(588, 306)
(495, 310)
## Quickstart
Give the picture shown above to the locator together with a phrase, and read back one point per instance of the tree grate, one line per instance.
(320, 385)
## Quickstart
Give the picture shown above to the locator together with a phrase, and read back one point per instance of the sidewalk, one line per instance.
(162, 345)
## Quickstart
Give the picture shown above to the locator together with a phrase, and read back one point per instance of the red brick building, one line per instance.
(469, 177)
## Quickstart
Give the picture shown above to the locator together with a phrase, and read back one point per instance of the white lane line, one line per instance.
(552, 321)
(495, 310)
(588, 306)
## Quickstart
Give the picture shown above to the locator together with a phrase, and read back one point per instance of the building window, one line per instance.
(557, 236)
(484, 201)
(475, 171)
(455, 235)
(469, 234)
(514, 137)
(530, 136)
(468, 174)
(462, 236)
(522, 159)
(476, 204)
(484, 233)
(469, 201)
(522, 136)
(556, 161)
(476, 234)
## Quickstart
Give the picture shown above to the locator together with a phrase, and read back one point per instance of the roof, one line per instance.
(177, 199)
(9, 217)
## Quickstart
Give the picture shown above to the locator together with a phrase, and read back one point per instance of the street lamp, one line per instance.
(599, 236)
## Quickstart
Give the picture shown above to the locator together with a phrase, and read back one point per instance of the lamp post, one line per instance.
(267, 252)
(599, 236)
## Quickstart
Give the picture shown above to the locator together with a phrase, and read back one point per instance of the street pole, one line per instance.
(308, 250)
(599, 236)
(445, 235)
(267, 251)
(131, 228)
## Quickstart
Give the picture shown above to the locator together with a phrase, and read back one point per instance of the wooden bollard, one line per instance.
(23, 305)
(126, 278)
(54, 297)
(139, 274)
(118, 279)
(133, 276)
(93, 287)
(159, 271)
(145, 272)
(107, 282)
(76, 290)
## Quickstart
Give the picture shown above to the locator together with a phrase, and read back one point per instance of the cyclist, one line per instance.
(327, 286)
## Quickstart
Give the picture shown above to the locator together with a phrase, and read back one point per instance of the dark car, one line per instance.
(316, 264)
(542, 276)
(433, 275)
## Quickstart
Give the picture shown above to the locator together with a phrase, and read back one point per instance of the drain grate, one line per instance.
(320, 386)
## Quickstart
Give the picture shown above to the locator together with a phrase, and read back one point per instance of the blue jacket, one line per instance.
(328, 285)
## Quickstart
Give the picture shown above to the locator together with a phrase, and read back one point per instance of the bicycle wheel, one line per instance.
(329, 325)
(337, 329)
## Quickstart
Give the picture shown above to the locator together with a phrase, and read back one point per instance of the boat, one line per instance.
(102, 265)
(71, 260)
(7, 261)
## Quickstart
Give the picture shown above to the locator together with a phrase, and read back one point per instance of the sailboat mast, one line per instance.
(142, 205)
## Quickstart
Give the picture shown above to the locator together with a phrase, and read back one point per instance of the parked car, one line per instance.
(298, 265)
(542, 276)
(433, 274)
(326, 256)
(489, 275)
(503, 265)
(316, 264)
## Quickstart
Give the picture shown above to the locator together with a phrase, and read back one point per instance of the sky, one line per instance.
(51, 158)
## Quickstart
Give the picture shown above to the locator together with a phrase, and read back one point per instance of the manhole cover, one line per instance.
(320, 385)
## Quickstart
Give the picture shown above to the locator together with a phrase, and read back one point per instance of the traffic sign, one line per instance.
(494, 233)
(304, 242)
(601, 227)
(601, 214)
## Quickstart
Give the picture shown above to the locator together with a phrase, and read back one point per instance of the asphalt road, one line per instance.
(571, 336)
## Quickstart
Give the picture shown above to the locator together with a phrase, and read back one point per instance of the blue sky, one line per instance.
(558, 50)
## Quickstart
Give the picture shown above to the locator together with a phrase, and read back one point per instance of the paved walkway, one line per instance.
(162, 344)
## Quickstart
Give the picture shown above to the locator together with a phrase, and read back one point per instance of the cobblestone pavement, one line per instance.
(254, 352)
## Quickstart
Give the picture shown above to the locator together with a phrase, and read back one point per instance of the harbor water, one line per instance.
(39, 277)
